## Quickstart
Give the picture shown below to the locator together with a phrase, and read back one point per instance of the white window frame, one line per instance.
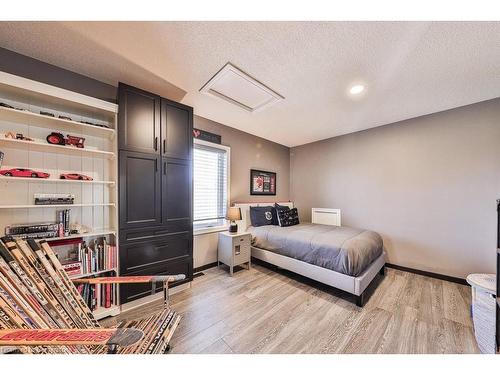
(223, 227)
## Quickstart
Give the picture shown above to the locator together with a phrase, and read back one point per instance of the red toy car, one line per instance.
(23, 172)
(75, 176)
(58, 139)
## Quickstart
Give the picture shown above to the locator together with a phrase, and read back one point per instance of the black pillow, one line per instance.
(288, 218)
(261, 215)
(278, 208)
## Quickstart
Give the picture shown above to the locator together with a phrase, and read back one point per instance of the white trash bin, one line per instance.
(483, 310)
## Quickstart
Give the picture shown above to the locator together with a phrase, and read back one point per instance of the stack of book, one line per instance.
(99, 296)
(24, 231)
(96, 256)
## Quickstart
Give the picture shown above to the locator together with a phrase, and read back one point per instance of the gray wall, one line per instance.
(247, 152)
(428, 185)
(27, 67)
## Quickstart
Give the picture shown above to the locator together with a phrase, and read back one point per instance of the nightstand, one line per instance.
(234, 249)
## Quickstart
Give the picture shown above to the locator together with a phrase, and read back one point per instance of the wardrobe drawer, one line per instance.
(139, 255)
(130, 292)
(155, 233)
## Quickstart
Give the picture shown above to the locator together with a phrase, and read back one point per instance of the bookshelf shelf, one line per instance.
(42, 121)
(57, 149)
(54, 180)
(41, 94)
(75, 277)
(22, 206)
(96, 233)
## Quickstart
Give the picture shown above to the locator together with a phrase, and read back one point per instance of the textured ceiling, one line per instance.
(409, 68)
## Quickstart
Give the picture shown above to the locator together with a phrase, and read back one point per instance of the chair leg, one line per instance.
(166, 295)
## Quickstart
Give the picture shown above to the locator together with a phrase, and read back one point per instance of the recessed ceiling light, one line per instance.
(356, 89)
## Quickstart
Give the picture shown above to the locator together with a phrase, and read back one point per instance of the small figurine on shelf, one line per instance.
(45, 113)
(55, 138)
(1, 158)
(76, 228)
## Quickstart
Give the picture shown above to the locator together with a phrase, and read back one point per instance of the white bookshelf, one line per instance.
(95, 201)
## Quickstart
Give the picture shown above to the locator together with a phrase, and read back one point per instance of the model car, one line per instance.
(23, 172)
(19, 136)
(58, 139)
(75, 176)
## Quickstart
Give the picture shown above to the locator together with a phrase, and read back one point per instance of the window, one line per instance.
(210, 199)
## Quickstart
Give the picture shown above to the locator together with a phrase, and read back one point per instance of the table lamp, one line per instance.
(233, 214)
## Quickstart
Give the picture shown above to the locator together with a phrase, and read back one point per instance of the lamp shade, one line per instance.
(233, 213)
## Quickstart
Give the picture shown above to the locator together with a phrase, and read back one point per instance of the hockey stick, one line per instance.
(103, 336)
(64, 277)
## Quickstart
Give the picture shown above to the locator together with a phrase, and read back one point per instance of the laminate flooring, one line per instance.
(266, 311)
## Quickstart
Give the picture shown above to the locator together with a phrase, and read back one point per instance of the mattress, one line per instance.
(338, 248)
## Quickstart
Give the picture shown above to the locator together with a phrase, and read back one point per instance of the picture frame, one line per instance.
(262, 182)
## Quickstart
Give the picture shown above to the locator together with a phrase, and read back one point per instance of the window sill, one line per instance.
(220, 228)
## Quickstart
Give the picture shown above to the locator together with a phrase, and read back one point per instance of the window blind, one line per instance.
(210, 186)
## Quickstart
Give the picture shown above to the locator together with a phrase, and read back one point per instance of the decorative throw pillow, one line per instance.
(288, 218)
(260, 216)
(277, 208)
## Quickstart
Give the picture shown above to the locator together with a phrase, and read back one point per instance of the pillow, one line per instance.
(277, 208)
(288, 218)
(260, 216)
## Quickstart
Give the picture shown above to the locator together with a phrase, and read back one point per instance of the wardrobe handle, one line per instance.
(164, 145)
(165, 168)
(156, 143)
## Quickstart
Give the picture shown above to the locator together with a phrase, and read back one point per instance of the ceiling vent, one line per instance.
(237, 87)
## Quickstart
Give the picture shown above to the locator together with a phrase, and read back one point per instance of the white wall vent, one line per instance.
(237, 87)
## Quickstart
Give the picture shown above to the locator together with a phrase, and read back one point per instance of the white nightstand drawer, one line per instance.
(243, 240)
(241, 253)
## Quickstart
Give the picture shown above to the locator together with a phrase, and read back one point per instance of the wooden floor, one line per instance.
(263, 311)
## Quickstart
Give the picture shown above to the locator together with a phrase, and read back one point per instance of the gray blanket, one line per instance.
(341, 249)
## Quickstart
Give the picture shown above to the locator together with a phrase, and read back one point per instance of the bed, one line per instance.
(343, 257)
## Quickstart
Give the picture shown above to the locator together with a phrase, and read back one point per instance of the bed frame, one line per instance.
(355, 285)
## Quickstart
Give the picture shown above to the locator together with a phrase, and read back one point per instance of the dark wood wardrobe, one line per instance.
(155, 188)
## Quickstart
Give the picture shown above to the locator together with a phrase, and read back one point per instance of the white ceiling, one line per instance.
(409, 68)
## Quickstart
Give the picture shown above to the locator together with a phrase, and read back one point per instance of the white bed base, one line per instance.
(352, 284)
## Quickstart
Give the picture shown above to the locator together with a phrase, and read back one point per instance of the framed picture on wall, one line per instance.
(262, 182)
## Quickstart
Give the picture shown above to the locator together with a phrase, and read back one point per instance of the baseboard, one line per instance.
(439, 276)
(205, 267)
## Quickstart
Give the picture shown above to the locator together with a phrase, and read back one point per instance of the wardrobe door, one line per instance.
(140, 190)
(177, 129)
(139, 120)
(177, 194)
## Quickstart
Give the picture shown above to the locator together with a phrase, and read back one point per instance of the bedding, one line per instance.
(342, 249)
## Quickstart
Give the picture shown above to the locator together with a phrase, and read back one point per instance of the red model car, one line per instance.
(75, 176)
(23, 172)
